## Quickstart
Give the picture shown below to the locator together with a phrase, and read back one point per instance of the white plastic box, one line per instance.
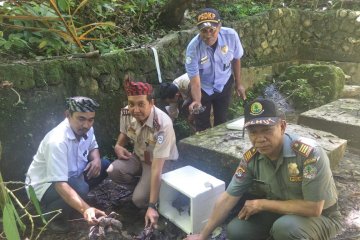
(199, 189)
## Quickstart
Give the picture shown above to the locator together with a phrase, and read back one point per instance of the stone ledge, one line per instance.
(341, 117)
(351, 91)
(217, 151)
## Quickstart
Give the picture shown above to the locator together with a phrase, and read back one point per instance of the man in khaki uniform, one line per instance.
(151, 132)
(175, 92)
(298, 198)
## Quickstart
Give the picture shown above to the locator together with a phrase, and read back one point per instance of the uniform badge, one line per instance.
(204, 60)
(224, 49)
(293, 169)
(188, 60)
(240, 172)
(294, 173)
(310, 172)
(302, 148)
(160, 138)
(311, 160)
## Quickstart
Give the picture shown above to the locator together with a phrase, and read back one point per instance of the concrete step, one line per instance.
(341, 117)
(217, 151)
(351, 91)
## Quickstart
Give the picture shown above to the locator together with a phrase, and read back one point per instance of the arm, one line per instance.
(120, 151)
(239, 88)
(195, 92)
(71, 197)
(152, 215)
(94, 166)
(221, 210)
(295, 207)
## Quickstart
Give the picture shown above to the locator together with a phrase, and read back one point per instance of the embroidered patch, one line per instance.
(249, 154)
(224, 49)
(188, 60)
(293, 169)
(240, 172)
(125, 112)
(310, 172)
(160, 139)
(302, 148)
(256, 109)
(311, 160)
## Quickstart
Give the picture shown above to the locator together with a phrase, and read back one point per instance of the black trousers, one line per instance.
(220, 102)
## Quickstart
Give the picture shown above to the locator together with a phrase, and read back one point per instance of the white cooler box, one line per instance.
(187, 197)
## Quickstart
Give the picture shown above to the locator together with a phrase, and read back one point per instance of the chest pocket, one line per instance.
(226, 60)
(131, 135)
(205, 65)
(260, 188)
(151, 144)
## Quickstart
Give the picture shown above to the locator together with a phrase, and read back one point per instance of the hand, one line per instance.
(240, 90)
(121, 152)
(194, 105)
(151, 218)
(250, 208)
(194, 237)
(91, 214)
(93, 168)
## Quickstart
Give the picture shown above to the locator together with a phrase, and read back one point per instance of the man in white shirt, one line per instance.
(67, 163)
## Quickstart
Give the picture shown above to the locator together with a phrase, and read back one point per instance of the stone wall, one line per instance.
(272, 41)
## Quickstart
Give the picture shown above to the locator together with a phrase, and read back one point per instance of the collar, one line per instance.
(220, 42)
(70, 133)
(149, 121)
(287, 150)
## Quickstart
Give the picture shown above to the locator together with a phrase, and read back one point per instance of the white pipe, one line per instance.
(157, 63)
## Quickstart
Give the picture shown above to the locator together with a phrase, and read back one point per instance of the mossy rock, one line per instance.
(21, 75)
(310, 85)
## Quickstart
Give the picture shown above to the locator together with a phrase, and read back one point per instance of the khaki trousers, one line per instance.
(128, 171)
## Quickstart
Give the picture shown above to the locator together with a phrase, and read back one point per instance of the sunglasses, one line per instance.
(210, 30)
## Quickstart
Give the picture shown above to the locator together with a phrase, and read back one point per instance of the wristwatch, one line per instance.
(153, 205)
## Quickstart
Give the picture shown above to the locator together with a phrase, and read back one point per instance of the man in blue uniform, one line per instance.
(211, 58)
(297, 196)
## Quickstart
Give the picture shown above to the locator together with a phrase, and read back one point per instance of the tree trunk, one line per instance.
(173, 12)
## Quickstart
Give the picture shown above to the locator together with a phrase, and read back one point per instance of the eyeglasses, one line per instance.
(210, 30)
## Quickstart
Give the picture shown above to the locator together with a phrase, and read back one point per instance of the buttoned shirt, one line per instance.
(59, 157)
(293, 176)
(156, 135)
(213, 66)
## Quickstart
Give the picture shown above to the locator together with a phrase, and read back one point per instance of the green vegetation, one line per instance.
(39, 28)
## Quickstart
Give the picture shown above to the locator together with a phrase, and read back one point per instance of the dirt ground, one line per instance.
(347, 177)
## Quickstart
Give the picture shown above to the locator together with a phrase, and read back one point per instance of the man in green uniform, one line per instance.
(299, 199)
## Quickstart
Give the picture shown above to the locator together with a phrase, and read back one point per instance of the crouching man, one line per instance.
(293, 173)
(67, 163)
(151, 132)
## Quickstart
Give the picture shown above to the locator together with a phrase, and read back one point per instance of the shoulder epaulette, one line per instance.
(302, 148)
(249, 154)
(156, 124)
(125, 112)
